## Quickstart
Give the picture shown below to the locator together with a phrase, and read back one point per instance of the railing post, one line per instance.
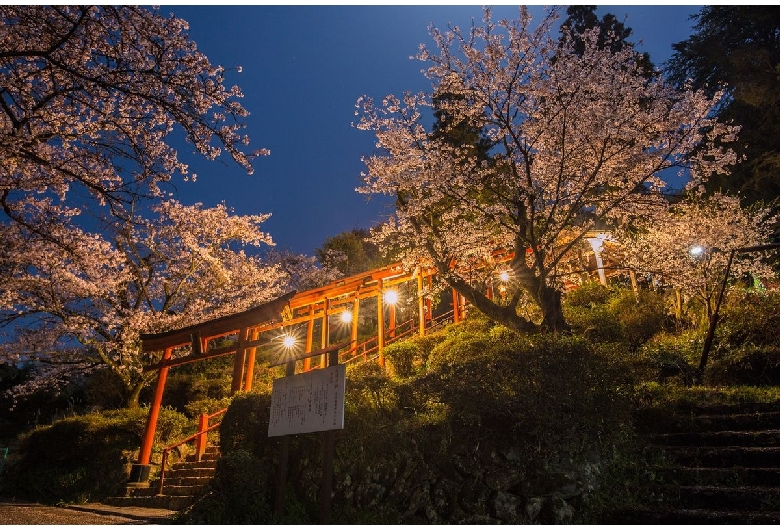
(380, 315)
(162, 471)
(284, 456)
(455, 306)
(327, 461)
(250, 363)
(325, 331)
(420, 304)
(202, 440)
(391, 326)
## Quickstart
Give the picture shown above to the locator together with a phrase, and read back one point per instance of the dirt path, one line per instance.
(25, 513)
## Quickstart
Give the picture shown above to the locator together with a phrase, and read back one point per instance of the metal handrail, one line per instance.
(167, 450)
(433, 323)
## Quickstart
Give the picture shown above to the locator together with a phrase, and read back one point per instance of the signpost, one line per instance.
(309, 402)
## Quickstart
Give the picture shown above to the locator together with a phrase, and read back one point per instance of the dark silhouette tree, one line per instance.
(737, 48)
(612, 33)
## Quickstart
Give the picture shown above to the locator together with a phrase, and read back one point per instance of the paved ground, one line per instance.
(24, 513)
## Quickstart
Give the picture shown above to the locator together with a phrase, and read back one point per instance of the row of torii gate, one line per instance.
(245, 333)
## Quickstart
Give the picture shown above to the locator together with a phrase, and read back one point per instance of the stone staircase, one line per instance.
(717, 465)
(183, 484)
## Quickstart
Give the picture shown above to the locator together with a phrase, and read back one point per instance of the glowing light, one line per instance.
(346, 316)
(696, 251)
(391, 297)
(504, 276)
(288, 341)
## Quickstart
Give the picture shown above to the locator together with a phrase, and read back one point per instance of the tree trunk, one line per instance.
(134, 389)
(549, 300)
(506, 315)
(134, 394)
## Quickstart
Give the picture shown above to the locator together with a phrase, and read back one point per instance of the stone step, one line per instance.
(729, 457)
(691, 516)
(660, 422)
(758, 438)
(735, 408)
(692, 476)
(167, 502)
(176, 490)
(184, 483)
(187, 481)
(190, 472)
(208, 455)
(744, 498)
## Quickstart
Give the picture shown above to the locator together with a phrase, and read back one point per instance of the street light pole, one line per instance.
(714, 322)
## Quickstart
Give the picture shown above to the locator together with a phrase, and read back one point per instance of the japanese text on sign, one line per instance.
(308, 402)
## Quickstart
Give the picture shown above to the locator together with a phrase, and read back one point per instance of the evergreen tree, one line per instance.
(738, 48)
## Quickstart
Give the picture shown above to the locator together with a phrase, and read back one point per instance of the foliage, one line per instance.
(239, 494)
(640, 315)
(749, 317)
(746, 349)
(409, 356)
(544, 104)
(185, 265)
(688, 247)
(588, 294)
(677, 396)
(350, 252)
(83, 457)
(671, 357)
(736, 47)
(245, 424)
(302, 272)
(93, 249)
(746, 365)
(616, 315)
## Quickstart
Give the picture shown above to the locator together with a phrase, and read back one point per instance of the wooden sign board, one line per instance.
(308, 402)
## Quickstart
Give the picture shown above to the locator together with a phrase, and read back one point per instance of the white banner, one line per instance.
(308, 402)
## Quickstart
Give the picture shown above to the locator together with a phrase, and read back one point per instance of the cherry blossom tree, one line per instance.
(580, 139)
(186, 265)
(688, 246)
(91, 99)
(302, 272)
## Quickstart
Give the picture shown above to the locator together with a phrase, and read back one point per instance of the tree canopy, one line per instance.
(737, 48)
(92, 249)
(89, 99)
(581, 138)
(349, 252)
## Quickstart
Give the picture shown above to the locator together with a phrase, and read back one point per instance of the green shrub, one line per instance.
(84, 457)
(640, 315)
(746, 365)
(370, 388)
(245, 423)
(240, 493)
(409, 357)
(588, 294)
(596, 323)
(402, 357)
(616, 315)
(671, 357)
(206, 406)
(749, 316)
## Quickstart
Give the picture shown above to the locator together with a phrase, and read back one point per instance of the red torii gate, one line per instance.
(249, 326)
(288, 310)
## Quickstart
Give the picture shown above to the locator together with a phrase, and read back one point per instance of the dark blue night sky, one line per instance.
(304, 67)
